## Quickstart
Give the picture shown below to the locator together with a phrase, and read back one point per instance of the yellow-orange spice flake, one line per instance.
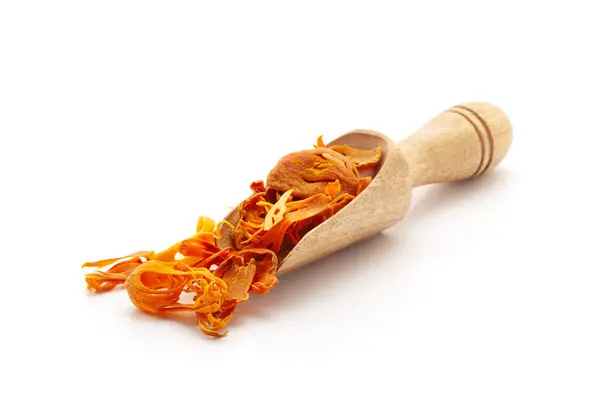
(361, 158)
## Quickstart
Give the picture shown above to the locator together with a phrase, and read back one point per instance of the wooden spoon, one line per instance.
(461, 143)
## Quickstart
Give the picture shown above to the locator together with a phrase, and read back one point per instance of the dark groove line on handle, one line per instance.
(488, 132)
(481, 141)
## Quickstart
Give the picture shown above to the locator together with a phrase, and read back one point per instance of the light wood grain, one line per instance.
(462, 142)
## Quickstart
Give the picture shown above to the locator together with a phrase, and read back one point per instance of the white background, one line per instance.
(123, 121)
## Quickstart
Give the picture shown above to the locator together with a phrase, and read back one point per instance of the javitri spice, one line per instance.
(304, 189)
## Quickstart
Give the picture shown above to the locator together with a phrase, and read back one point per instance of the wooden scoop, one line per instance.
(461, 143)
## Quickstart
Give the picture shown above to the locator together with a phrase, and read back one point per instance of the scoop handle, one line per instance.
(461, 143)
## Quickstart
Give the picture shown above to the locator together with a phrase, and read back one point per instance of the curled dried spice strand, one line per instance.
(196, 275)
(157, 286)
(299, 210)
(103, 281)
(361, 158)
(253, 212)
(193, 250)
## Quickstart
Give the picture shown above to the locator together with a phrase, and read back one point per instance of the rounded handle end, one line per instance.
(493, 130)
(461, 143)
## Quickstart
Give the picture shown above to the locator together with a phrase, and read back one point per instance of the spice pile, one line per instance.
(304, 189)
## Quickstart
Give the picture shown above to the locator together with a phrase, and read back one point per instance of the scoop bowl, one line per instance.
(460, 143)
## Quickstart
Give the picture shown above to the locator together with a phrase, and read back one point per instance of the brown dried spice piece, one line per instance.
(238, 275)
(258, 187)
(309, 172)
